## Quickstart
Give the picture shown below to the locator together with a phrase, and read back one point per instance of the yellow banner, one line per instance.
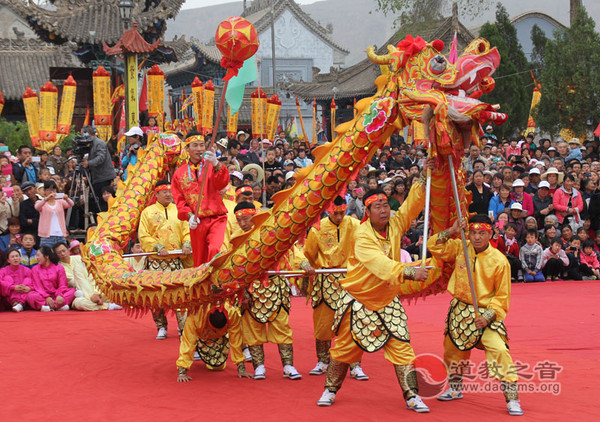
(131, 96)
(67, 105)
(48, 110)
(156, 94)
(32, 114)
(535, 100)
(1, 102)
(197, 102)
(102, 96)
(208, 108)
(273, 110)
(232, 123)
(258, 100)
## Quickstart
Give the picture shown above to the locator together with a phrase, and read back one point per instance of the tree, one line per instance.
(570, 79)
(512, 77)
(538, 55)
(421, 11)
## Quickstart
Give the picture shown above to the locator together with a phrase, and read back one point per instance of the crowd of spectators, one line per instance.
(542, 196)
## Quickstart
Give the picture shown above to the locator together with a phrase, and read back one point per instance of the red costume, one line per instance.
(207, 238)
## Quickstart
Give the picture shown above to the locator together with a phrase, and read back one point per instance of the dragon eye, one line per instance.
(438, 64)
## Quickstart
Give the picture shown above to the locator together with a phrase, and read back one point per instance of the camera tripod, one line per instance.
(81, 187)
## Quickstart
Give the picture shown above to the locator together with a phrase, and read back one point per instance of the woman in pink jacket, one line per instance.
(52, 228)
(15, 281)
(52, 292)
(567, 201)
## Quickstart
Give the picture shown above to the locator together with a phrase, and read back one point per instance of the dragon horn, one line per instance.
(377, 59)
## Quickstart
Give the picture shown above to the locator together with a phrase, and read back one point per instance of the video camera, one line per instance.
(82, 145)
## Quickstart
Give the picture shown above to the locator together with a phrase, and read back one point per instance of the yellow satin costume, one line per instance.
(329, 246)
(491, 277)
(375, 277)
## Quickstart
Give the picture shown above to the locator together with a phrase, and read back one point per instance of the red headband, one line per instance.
(339, 208)
(481, 226)
(375, 198)
(245, 211)
(243, 190)
(162, 187)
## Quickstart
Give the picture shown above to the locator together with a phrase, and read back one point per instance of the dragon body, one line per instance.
(417, 84)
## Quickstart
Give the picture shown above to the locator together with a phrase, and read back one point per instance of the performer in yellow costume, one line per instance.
(491, 278)
(213, 332)
(266, 315)
(161, 231)
(329, 246)
(375, 277)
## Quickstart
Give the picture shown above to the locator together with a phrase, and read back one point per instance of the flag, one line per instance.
(144, 96)
(86, 121)
(453, 50)
(237, 84)
(293, 128)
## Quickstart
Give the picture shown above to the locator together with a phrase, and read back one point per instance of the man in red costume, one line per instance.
(207, 228)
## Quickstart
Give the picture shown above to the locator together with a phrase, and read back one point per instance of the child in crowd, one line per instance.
(531, 258)
(554, 261)
(512, 251)
(589, 259)
(28, 253)
(572, 250)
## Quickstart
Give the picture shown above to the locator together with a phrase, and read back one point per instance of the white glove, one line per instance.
(193, 222)
(211, 157)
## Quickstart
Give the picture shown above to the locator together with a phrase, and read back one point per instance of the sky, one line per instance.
(191, 4)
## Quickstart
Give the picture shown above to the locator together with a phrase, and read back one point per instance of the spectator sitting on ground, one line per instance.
(589, 258)
(530, 255)
(16, 282)
(87, 297)
(554, 261)
(52, 292)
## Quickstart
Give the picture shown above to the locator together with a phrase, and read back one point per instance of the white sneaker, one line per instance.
(64, 308)
(114, 307)
(162, 334)
(417, 405)
(320, 369)
(78, 293)
(290, 372)
(18, 307)
(247, 355)
(357, 373)
(259, 372)
(197, 356)
(327, 399)
(450, 394)
(45, 308)
(514, 408)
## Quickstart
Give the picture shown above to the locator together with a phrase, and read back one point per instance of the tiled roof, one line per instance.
(358, 80)
(73, 20)
(261, 19)
(27, 63)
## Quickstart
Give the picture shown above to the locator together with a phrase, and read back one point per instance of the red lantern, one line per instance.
(237, 40)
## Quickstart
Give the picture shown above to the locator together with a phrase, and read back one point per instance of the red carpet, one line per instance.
(106, 366)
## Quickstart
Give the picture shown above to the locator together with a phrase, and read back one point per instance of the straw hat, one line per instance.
(259, 170)
(553, 170)
(575, 141)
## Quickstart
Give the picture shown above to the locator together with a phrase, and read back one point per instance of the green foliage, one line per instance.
(411, 11)
(538, 55)
(570, 79)
(15, 134)
(513, 83)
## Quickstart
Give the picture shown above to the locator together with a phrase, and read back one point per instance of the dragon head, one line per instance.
(433, 87)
